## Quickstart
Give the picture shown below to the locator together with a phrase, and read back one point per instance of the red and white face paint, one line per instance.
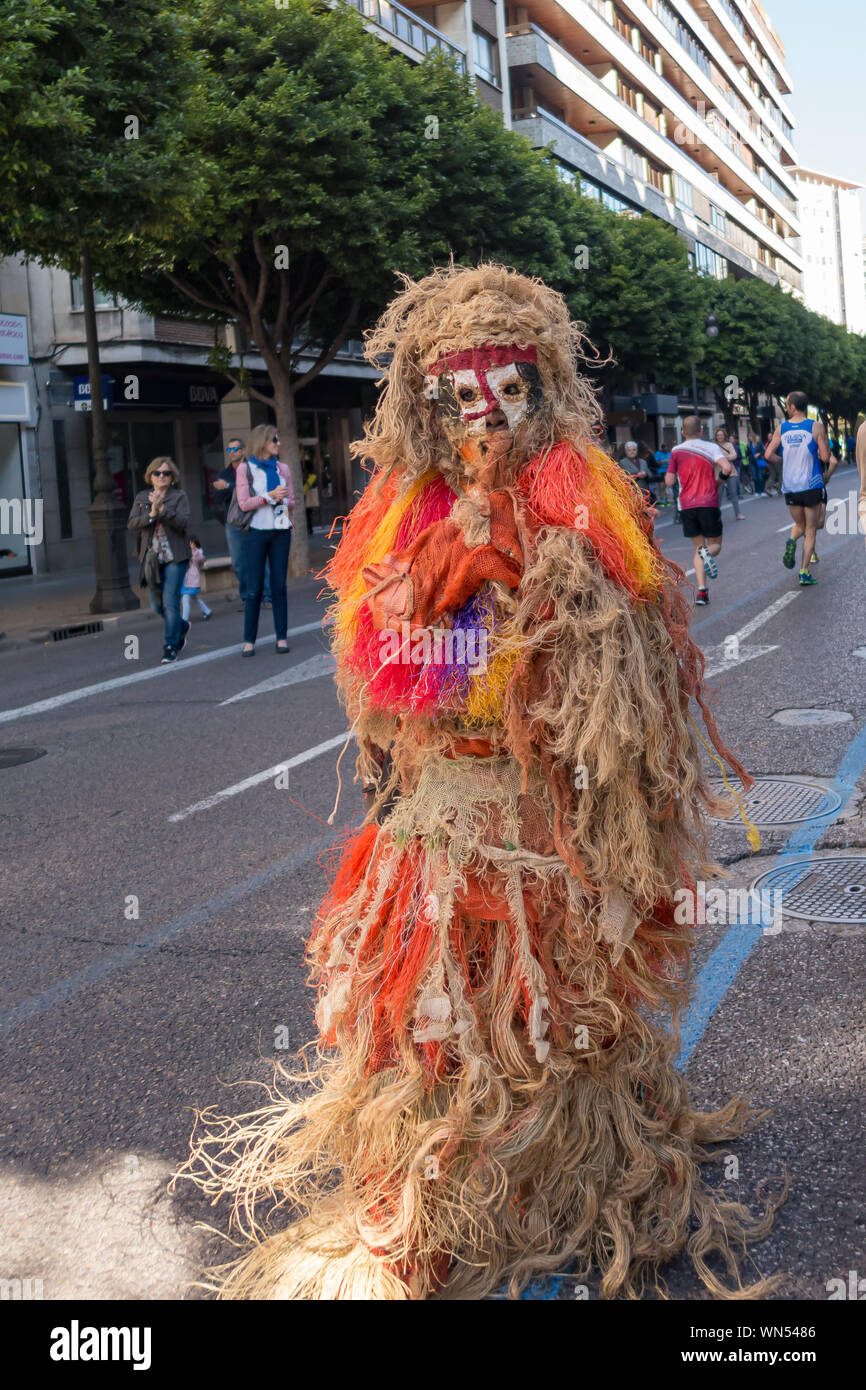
(469, 386)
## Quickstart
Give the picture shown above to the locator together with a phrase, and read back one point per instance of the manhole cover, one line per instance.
(812, 716)
(824, 890)
(13, 757)
(782, 801)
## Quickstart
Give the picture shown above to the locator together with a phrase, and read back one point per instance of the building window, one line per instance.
(718, 220)
(100, 298)
(684, 193)
(707, 262)
(647, 52)
(615, 204)
(634, 162)
(486, 57)
(622, 25)
(656, 176)
(590, 190)
(626, 92)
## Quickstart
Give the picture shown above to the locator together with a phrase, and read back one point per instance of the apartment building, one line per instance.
(832, 248)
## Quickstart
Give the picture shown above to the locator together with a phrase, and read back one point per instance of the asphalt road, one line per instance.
(155, 910)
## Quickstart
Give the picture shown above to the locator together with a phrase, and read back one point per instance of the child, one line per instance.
(192, 581)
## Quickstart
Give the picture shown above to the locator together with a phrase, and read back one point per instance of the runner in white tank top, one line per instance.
(806, 466)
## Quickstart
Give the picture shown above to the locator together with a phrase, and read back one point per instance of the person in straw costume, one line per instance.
(494, 1095)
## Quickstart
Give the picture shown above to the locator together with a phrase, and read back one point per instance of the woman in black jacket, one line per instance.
(161, 514)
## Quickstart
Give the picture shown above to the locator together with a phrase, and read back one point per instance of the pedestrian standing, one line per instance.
(632, 463)
(225, 485)
(264, 487)
(730, 484)
(192, 582)
(758, 464)
(161, 513)
(661, 459)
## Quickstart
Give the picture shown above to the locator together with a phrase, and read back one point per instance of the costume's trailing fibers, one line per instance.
(494, 1095)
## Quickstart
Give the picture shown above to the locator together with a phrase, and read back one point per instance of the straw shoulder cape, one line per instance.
(494, 1096)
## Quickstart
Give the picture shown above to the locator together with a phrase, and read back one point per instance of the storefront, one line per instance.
(149, 413)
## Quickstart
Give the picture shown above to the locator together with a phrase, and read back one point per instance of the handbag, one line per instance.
(236, 516)
(151, 576)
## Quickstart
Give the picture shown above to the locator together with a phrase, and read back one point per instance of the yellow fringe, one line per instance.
(753, 834)
(383, 539)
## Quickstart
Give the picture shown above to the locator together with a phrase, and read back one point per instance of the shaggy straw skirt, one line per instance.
(491, 1100)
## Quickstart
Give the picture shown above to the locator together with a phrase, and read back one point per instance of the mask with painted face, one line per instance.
(485, 396)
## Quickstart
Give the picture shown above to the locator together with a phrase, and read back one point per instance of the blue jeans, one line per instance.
(235, 540)
(167, 602)
(262, 548)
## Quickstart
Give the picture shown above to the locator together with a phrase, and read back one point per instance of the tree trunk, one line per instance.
(107, 514)
(290, 453)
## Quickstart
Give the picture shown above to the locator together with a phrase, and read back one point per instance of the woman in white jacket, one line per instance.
(264, 487)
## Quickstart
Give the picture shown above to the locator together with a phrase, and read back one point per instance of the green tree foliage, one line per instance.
(650, 309)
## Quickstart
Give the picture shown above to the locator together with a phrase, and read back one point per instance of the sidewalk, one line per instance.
(32, 606)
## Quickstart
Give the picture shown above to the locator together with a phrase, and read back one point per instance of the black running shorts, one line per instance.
(812, 497)
(702, 521)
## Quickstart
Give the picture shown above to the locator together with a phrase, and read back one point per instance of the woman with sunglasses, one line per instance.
(161, 513)
(225, 484)
(264, 487)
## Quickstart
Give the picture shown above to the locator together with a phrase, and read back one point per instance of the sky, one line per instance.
(825, 45)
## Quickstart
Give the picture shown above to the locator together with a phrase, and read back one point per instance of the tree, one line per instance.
(649, 307)
(90, 92)
(327, 163)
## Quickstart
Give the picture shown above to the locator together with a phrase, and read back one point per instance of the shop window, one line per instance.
(16, 516)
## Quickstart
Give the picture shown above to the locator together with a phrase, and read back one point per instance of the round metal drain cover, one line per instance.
(782, 801)
(821, 889)
(812, 716)
(13, 757)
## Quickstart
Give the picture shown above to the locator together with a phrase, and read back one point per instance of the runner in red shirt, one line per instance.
(698, 464)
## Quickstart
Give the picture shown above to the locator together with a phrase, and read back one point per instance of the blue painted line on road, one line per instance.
(724, 964)
(137, 951)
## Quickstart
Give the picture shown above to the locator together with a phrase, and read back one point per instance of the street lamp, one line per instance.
(712, 330)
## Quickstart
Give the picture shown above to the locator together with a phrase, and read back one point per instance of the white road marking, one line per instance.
(321, 665)
(720, 662)
(775, 607)
(268, 775)
(118, 682)
(730, 652)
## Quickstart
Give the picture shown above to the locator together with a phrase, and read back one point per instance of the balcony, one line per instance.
(404, 26)
(590, 105)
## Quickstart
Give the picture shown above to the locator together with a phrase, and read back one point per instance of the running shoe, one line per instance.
(168, 656)
(702, 598)
(807, 578)
(710, 565)
(790, 556)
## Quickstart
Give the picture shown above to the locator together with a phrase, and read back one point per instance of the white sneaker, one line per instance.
(710, 565)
